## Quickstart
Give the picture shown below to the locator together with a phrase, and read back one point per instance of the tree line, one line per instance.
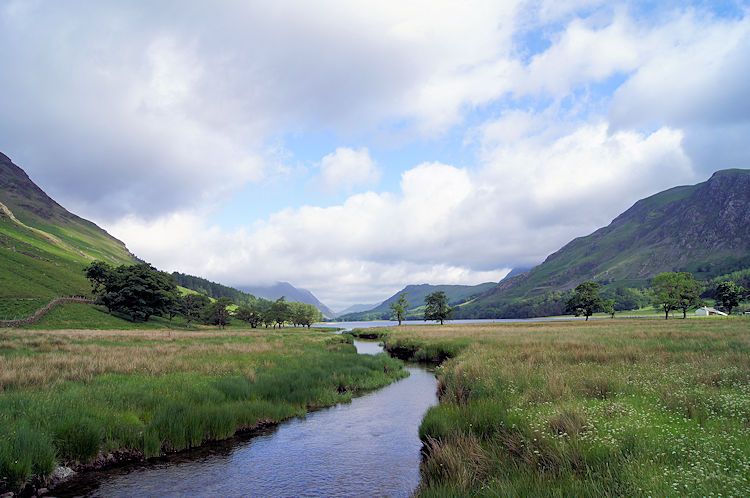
(670, 291)
(212, 289)
(140, 291)
(436, 307)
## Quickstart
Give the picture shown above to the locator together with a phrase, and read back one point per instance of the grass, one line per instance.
(608, 407)
(70, 396)
(87, 317)
(31, 266)
(13, 309)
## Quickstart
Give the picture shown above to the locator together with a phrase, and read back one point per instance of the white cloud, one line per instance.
(169, 104)
(575, 178)
(153, 116)
(688, 78)
(584, 53)
(445, 225)
(348, 168)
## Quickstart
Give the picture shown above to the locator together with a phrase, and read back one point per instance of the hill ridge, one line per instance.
(43, 247)
(702, 228)
(55, 240)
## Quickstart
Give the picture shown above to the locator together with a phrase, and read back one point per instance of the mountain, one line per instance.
(703, 228)
(44, 247)
(356, 308)
(516, 271)
(416, 294)
(291, 293)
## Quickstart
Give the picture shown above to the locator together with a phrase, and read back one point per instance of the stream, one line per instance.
(368, 447)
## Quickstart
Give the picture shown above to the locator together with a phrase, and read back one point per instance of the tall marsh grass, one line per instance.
(605, 408)
(67, 397)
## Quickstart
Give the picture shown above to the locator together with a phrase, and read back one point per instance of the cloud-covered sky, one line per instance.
(352, 148)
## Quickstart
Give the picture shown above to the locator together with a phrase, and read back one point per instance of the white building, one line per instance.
(706, 311)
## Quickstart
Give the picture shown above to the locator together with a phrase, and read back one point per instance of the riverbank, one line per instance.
(78, 397)
(633, 408)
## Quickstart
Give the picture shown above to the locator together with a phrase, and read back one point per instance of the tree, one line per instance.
(608, 307)
(398, 308)
(217, 313)
(137, 290)
(436, 307)
(665, 292)
(193, 306)
(251, 313)
(729, 295)
(99, 273)
(304, 314)
(174, 304)
(585, 300)
(675, 291)
(689, 291)
(279, 311)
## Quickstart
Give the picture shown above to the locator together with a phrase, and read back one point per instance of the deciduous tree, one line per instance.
(729, 295)
(399, 307)
(675, 291)
(436, 307)
(217, 313)
(279, 311)
(585, 300)
(304, 314)
(139, 291)
(193, 306)
(251, 313)
(690, 293)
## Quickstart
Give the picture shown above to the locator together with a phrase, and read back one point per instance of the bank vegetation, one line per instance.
(598, 408)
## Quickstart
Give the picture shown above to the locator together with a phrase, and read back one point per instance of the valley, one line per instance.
(536, 408)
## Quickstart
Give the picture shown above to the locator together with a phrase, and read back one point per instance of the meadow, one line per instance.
(598, 408)
(73, 397)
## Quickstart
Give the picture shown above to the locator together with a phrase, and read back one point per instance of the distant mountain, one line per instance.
(415, 295)
(703, 228)
(291, 293)
(516, 271)
(44, 247)
(356, 308)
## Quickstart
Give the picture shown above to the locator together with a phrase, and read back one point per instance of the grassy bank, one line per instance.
(633, 408)
(72, 396)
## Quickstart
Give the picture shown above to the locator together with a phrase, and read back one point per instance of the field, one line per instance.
(608, 407)
(74, 396)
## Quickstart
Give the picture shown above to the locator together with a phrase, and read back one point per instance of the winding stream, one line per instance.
(369, 447)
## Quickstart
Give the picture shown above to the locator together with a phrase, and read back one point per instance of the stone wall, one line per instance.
(43, 311)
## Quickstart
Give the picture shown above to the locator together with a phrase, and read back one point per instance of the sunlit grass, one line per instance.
(635, 408)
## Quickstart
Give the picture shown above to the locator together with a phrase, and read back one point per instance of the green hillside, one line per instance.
(43, 247)
(703, 228)
(213, 290)
(416, 294)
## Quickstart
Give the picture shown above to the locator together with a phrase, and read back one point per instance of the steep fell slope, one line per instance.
(43, 247)
(703, 228)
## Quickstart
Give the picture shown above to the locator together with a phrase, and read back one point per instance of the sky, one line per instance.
(351, 148)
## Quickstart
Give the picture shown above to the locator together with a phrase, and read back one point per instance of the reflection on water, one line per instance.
(368, 347)
(369, 447)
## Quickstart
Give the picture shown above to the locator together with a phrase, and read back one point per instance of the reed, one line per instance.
(610, 407)
(71, 396)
